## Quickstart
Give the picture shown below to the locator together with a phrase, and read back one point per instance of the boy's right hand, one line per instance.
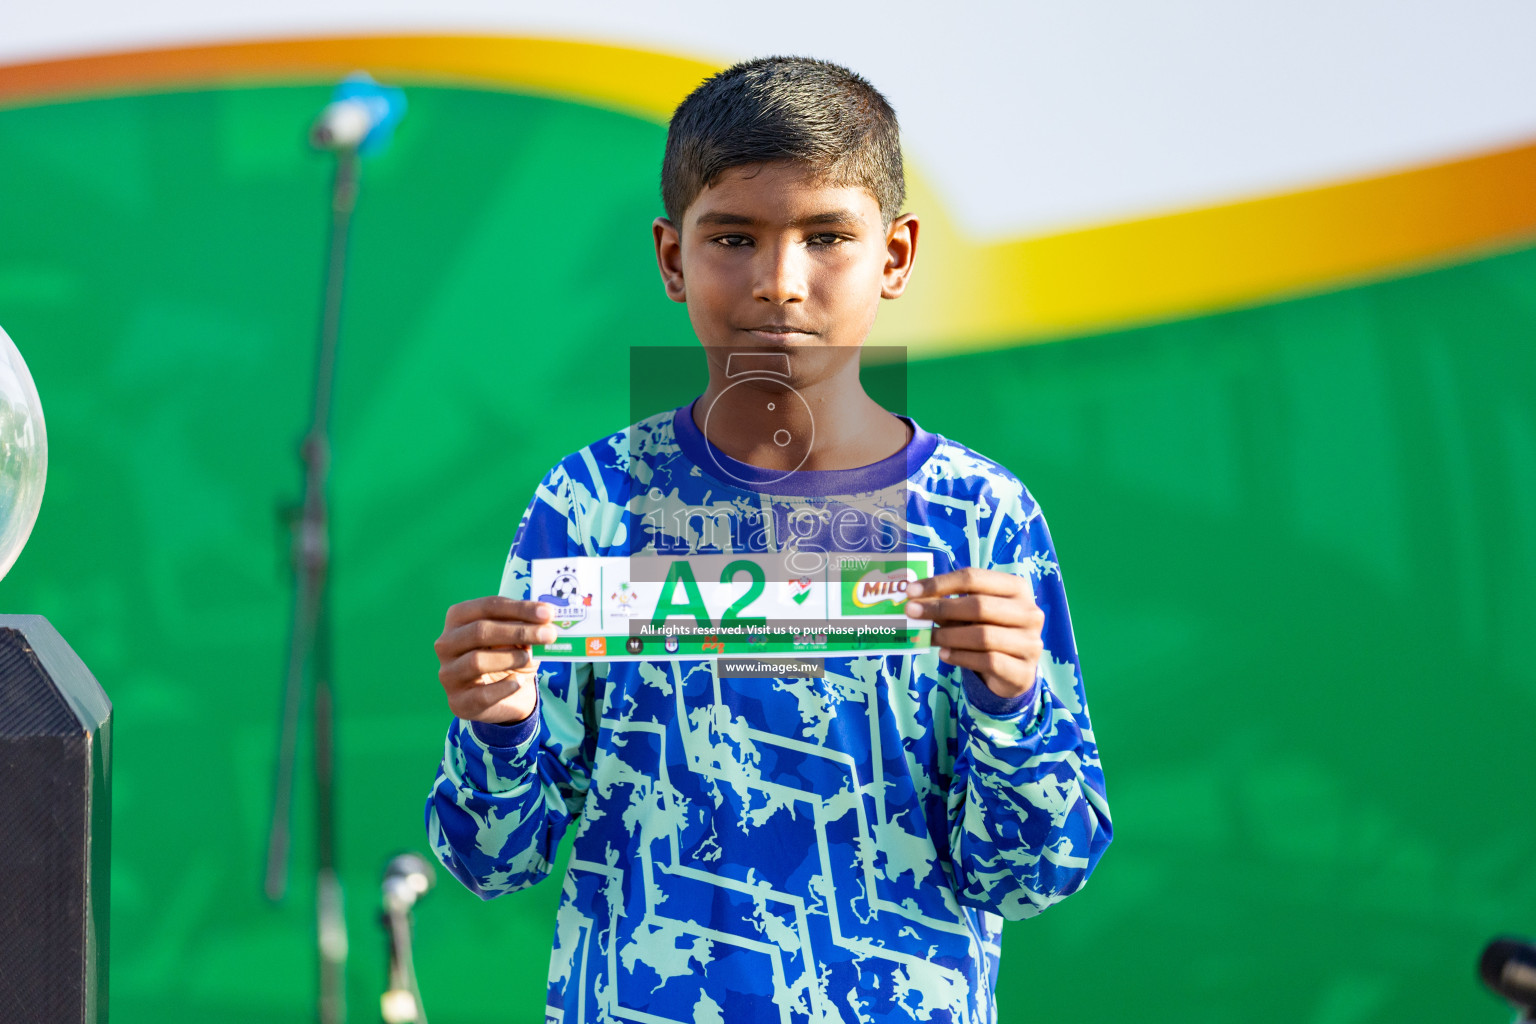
(486, 668)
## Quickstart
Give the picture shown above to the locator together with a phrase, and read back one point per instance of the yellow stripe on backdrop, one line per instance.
(969, 293)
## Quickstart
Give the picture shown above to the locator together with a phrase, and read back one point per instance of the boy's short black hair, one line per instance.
(784, 108)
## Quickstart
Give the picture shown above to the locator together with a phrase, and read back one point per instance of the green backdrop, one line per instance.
(1300, 543)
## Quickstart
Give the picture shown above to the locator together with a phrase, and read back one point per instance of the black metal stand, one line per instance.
(406, 879)
(309, 651)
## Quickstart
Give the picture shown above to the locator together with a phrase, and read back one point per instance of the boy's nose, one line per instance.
(781, 276)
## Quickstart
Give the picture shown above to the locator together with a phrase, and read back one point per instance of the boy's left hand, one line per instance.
(986, 621)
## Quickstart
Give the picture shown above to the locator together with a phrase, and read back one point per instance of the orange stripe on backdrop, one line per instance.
(968, 293)
(648, 84)
(1201, 261)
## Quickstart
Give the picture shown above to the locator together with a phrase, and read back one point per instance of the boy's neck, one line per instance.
(832, 424)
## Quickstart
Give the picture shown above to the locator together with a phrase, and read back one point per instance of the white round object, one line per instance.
(397, 1006)
(23, 453)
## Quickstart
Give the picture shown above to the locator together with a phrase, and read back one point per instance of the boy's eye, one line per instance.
(733, 241)
(825, 238)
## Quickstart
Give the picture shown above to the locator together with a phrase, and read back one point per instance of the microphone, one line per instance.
(361, 116)
(407, 878)
(1508, 967)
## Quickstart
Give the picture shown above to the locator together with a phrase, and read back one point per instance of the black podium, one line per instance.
(55, 828)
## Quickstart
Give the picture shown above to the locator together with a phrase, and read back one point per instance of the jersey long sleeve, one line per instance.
(506, 794)
(841, 849)
(1028, 816)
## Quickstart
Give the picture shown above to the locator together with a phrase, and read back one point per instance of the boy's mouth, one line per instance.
(779, 332)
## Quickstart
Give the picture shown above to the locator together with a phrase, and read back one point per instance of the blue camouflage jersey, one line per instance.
(842, 849)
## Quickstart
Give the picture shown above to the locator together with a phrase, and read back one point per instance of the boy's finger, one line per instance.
(499, 608)
(494, 633)
(1005, 667)
(970, 580)
(491, 633)
(480, 699)
(1002, 611)
(476, 668)
(1002, 639)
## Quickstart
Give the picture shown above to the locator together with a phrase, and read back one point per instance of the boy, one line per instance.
(824, 849)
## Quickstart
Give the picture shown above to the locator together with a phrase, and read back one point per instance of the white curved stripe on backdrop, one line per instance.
(1029, 117)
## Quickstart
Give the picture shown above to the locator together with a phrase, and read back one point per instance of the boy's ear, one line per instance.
(669, 258)
(900, 251)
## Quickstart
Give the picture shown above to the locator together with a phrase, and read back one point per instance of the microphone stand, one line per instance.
(309, 650)
(406, 879)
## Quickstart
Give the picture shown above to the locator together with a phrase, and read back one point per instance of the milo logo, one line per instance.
(877, 587)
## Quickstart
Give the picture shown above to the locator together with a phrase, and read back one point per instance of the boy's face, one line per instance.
(768, 257)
